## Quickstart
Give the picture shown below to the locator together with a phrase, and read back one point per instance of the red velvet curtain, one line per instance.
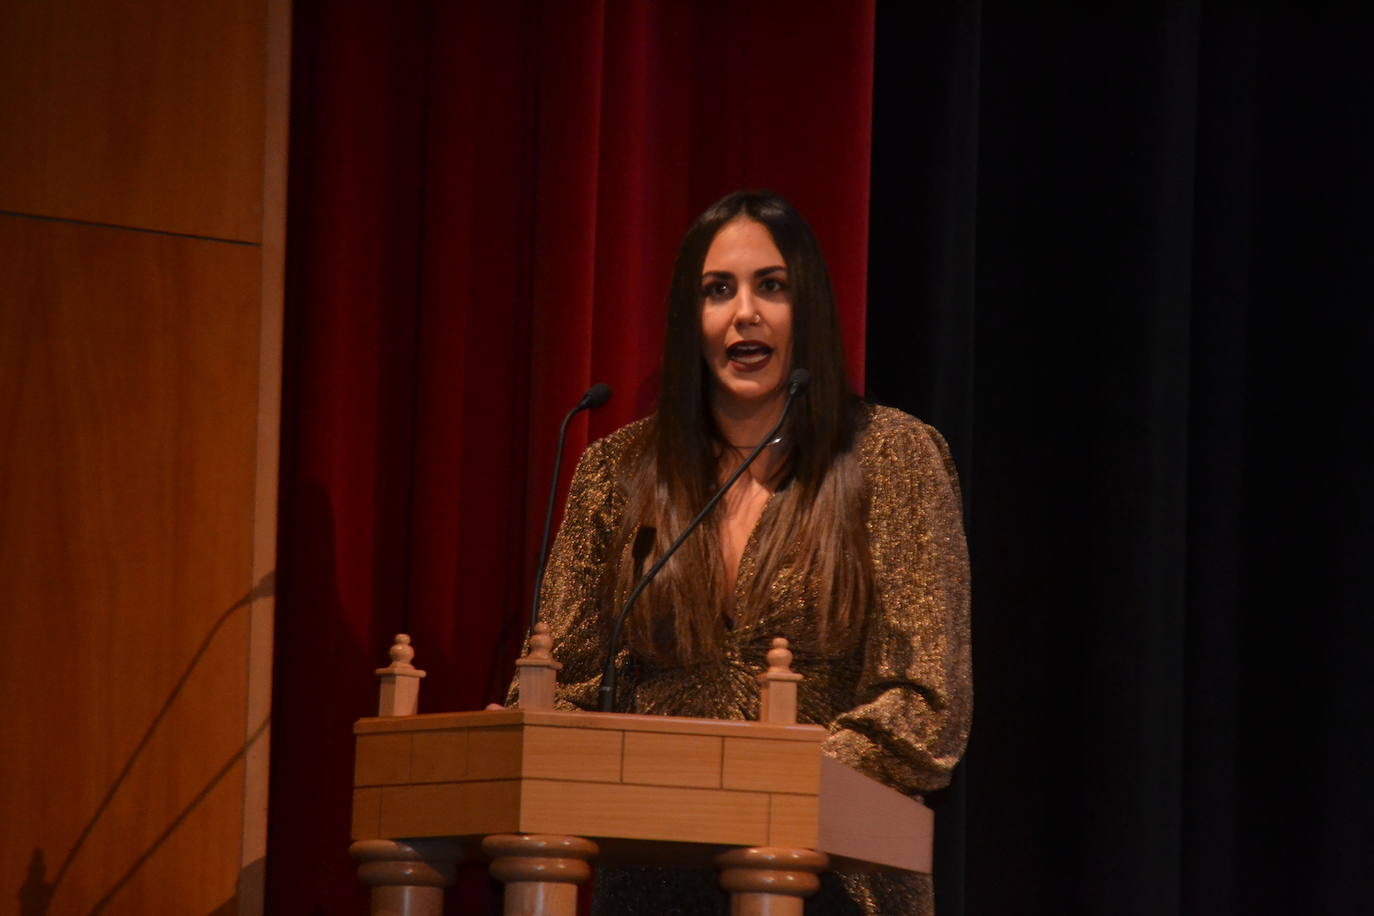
(485, 203)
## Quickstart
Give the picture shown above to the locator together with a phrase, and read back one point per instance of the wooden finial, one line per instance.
(538, 671)
(778, 686)
(400, 695)
(401, 653)
(780, 657)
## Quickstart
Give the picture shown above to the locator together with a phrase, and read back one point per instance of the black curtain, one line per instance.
(1124, 260)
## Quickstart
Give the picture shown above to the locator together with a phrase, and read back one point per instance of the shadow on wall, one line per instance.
(36, 893)
(249, 890)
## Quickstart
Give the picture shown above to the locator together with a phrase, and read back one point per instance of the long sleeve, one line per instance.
(569, 605)
(915, 688)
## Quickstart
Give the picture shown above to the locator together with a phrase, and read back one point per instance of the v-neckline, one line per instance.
(747, 555)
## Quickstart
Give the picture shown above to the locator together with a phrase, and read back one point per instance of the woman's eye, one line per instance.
(718, 290)
(772, 285)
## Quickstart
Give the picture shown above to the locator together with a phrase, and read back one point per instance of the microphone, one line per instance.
(596, 396)
(796, 384)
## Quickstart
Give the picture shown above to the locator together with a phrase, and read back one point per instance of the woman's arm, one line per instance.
(569, 605)
(915, 692)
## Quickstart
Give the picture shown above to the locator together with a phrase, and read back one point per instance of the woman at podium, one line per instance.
(845, 536)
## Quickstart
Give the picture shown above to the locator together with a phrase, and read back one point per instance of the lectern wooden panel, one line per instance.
(587, 774)
(543, 791)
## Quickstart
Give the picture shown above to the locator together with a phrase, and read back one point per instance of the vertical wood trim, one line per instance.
(253, 849)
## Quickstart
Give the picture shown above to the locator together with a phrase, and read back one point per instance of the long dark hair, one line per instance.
(817, 518)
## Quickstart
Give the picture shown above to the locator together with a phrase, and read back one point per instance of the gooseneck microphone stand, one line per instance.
(796, 384)
(596, 396)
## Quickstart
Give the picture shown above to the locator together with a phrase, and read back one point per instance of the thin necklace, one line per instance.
(755, 445)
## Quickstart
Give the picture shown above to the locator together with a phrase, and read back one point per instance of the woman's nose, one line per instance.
(746, 310)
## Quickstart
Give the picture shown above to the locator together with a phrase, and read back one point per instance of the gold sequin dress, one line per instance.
(897, 706)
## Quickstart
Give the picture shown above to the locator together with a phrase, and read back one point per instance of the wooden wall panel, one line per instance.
(145, 113)
(128, 437)
(142, 222)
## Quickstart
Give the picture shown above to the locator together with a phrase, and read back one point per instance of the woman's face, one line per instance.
(746, 317)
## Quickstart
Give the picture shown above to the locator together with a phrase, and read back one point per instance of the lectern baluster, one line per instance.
(767, 881)
(541, 873)
(407, 877)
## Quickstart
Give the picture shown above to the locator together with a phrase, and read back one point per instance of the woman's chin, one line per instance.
(747, 392)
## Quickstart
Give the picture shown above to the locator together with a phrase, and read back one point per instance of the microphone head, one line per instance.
(798, 380)
(597, 395)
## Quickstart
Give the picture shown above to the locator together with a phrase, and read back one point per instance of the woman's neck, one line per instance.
(745, 425)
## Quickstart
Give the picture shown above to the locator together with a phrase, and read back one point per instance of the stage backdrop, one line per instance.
(485, 203)
(1155, 377)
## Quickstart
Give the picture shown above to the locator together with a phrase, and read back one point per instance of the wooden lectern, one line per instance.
(542, 792)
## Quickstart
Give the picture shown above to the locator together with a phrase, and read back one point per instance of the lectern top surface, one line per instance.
(493, 718)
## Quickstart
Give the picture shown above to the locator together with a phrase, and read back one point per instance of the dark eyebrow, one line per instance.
(758, 274)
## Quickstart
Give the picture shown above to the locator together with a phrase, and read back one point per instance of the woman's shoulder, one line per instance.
(606, 464)
(619, 445)
(887, 434)
(882, 425)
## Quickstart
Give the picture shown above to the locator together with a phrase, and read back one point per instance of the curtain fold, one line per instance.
(1144, 238)
(485, 203)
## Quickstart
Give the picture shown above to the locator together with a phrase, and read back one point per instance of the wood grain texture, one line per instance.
(644, 812)
(644, 782)
(494, 753)
(367, 813)
(571, 753)
(146, 114)
(770, 766)
(673, 760)
(385, 760)
(127, 460)
(271, 309)
(450, 809)
(792, 820)
(864, 821)
(439, 756)
(674, 725)
(139, 406)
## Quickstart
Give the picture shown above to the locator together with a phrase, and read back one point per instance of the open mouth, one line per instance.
(748, 352)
